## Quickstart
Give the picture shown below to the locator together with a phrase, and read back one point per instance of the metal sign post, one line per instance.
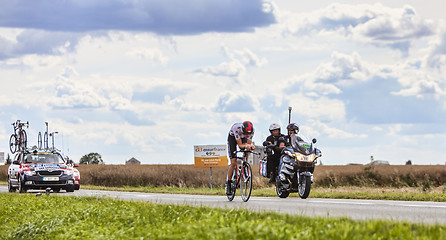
(211, 177)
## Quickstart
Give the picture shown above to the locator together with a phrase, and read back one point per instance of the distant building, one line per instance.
(132, 161)
(379, 162)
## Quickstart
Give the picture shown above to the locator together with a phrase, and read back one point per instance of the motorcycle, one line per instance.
(296, 168)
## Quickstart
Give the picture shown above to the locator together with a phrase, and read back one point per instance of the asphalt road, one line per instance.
(416, 212)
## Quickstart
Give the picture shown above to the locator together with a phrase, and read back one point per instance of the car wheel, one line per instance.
(56, 190)
(77, 187)
(70, 188)
(10, 187)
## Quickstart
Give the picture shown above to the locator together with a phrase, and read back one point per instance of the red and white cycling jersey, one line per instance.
(237, 131)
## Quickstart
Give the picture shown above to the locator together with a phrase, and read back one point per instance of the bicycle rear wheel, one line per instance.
(246, 182)
(13, 143)
(23, 140)
(45, 141)
(39, 141)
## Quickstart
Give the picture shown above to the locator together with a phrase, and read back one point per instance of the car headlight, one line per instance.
(76, 174)
(29, 173)
(68, 172)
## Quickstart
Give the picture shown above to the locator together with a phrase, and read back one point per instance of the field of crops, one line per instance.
(427, 176)
(25, 216)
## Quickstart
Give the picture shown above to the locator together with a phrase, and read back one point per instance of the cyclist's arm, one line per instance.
(248, 145)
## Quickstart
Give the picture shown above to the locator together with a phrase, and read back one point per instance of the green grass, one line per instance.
(26, 216)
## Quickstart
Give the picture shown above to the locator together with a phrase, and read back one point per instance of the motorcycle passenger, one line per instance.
(276, 142)
(240, 135)
(292, 128)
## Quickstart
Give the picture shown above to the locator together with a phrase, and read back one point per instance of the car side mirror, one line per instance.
(76, 165)
(314, 140)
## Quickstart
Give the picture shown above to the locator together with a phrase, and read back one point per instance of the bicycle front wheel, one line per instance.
(246, 182)
(13, 143)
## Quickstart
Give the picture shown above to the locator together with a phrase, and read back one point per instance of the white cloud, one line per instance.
(320, 108)
(73, 93)
(374, 24)
(230, 102)
(334, 133)
(437, 55)
(151, 54)
(236, 67)
(343, 69)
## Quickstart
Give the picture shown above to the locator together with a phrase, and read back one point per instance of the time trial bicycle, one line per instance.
(18, 139)
(242, 176)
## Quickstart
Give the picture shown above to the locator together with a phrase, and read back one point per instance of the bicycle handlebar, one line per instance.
(247, 151)
(19, 124)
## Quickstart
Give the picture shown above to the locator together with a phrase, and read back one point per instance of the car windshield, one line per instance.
(43, 158)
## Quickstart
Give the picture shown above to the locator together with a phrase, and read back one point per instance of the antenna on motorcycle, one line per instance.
(289, 114)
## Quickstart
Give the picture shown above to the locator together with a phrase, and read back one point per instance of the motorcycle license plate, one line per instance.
(51, 179)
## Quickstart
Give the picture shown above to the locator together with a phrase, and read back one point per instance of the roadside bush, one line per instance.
(423, 176)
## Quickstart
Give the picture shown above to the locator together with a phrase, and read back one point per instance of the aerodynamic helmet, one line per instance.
(247, 127)
(293, 127)
(274, 126)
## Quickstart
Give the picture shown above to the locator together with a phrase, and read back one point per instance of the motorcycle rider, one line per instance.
(276, 142)
(240, 135)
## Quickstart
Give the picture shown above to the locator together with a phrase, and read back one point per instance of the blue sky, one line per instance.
(150, 79)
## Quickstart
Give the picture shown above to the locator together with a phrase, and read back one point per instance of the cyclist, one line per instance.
(240, 135)
(277, 142)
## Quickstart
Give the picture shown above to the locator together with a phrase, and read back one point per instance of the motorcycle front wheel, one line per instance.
(282, 193)
(304, 186)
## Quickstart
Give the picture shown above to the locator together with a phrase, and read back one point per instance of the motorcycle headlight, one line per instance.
(30, 173)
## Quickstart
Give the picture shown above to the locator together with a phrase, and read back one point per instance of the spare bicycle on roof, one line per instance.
(44, 145)
(18, 140)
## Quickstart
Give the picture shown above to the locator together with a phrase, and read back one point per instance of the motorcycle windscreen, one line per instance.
(301, 146)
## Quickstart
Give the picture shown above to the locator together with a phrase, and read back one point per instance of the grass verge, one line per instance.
(25, 216)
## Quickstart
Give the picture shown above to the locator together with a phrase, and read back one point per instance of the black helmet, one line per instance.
(293, 127)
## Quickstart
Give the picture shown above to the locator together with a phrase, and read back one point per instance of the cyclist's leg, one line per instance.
(232, 147)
